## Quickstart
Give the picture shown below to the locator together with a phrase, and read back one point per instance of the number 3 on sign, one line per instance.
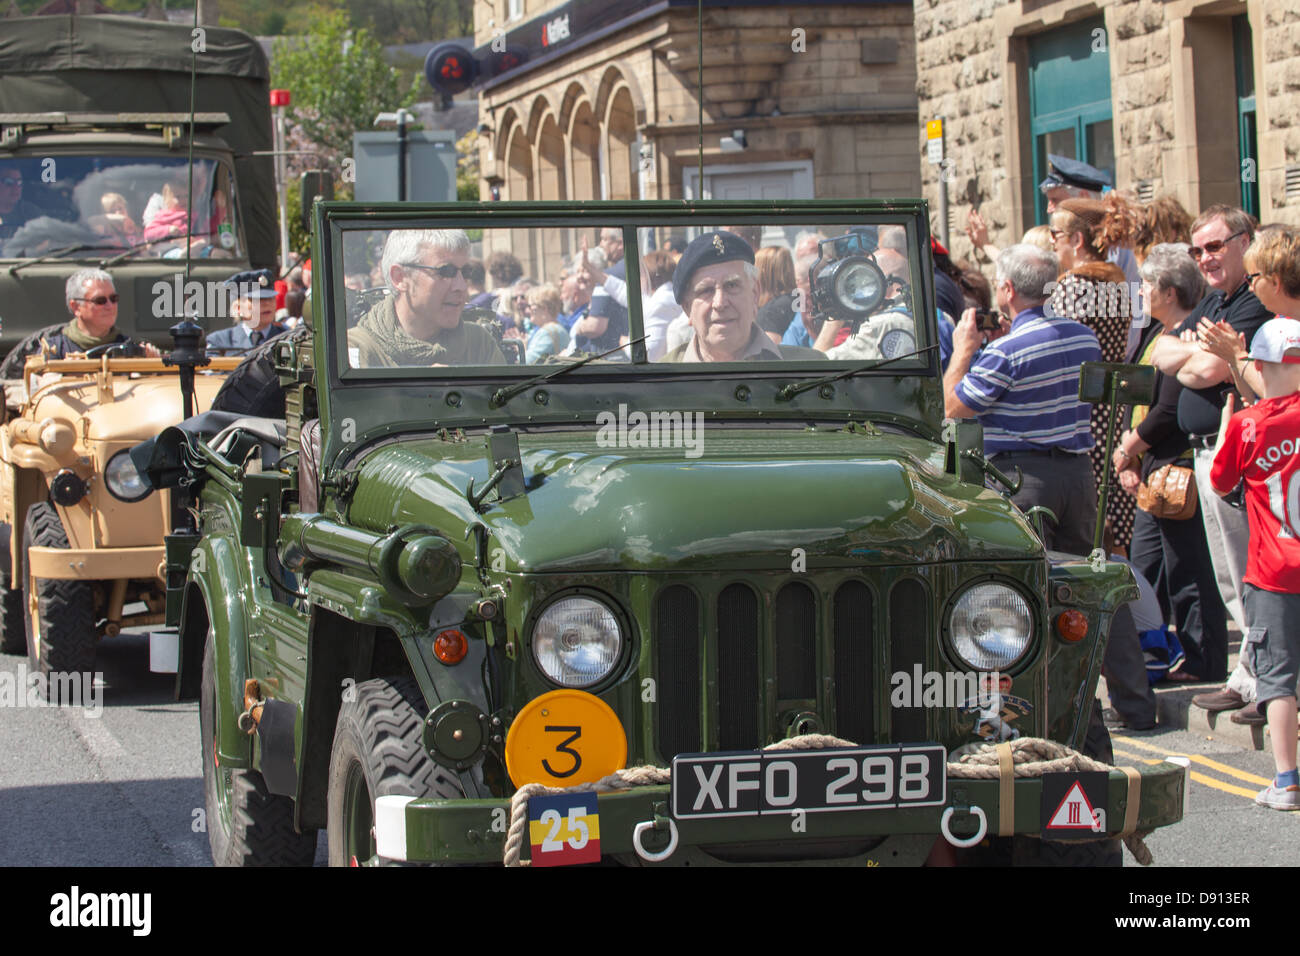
(564, 748)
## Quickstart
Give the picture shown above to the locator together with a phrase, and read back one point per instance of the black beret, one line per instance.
(1063, 171)
(253, 284)
(707, 250)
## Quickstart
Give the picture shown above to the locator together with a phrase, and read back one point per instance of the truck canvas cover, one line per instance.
(100, 64)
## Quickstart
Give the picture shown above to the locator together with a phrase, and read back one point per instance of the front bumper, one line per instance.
(474, 831)
(97, 564)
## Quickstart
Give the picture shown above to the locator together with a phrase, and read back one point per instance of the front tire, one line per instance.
(13, 620)
(59, 613)
(377, 752)
(247, 824)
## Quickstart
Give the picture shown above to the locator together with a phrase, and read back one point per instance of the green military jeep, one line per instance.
(453, 580)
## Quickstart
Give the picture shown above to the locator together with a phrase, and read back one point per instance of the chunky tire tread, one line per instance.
(380, 729)
(66, 607)
(262, 831)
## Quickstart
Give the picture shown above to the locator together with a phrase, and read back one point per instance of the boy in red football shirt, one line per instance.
(1261, 445)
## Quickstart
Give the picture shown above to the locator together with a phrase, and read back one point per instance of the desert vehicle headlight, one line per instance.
(122, 480)
(576, 642)
(991, 626)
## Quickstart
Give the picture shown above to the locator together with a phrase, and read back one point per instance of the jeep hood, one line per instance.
(753, 497)
(141, 407)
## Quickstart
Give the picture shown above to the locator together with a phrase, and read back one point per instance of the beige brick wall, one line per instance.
(856, 121)
(1172, 94)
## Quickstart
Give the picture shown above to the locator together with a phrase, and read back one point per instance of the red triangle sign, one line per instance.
(1074, 813)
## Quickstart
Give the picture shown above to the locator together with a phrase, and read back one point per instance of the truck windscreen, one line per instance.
(84, 204)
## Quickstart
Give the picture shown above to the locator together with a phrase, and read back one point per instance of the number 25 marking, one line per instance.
(564, 748)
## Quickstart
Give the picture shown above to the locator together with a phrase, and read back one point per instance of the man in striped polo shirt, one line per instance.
(1024, 388)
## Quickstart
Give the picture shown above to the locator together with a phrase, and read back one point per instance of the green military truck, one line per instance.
(94, 149)
(451, 582)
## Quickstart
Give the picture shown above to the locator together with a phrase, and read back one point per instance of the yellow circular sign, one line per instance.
(565, 738)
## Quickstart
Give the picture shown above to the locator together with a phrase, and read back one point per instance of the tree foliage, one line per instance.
(467, 167)
(340, 82)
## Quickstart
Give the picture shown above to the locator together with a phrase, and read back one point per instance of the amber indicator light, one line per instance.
(1072, 625)
(450, 647)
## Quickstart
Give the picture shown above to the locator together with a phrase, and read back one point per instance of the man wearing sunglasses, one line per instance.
(420, 323)
(1219, 240)
(92, 300)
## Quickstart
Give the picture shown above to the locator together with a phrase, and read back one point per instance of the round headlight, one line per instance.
(859, 285)
(991, 626)
(122, 480)
(576, 642)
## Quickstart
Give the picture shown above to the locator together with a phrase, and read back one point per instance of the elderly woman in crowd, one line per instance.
(1171, 553)
(547, 335)
(1094, 292)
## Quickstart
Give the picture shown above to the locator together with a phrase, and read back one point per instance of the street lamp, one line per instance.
(401, 118)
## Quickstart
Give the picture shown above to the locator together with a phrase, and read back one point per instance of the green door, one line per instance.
(1069, 100)
(1247, 150)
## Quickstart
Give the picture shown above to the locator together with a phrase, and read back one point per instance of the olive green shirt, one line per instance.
(379, 341)
(759, 348)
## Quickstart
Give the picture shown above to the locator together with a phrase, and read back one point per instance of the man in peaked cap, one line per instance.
(716, 284)
(1067, 178)
(253, 303)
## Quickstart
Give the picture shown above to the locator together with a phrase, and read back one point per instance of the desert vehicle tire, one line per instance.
(59, 615)
(13, 624)
(378, 751)
(247, 824)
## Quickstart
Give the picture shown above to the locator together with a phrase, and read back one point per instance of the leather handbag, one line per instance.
(1168, 492)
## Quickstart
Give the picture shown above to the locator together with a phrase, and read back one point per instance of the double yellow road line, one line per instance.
(1222, 768)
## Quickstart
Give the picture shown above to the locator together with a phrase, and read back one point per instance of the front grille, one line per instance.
(739, 690)
(735, 659)
(855, 699)
(677, 653)
(909, 630)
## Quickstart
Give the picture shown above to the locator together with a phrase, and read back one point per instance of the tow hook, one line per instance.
(659, 823)
(963, 842)
(253, 704)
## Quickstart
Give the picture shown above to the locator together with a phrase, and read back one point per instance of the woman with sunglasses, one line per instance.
(1095, 293)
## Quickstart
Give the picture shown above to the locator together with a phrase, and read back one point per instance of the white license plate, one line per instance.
(757, 783)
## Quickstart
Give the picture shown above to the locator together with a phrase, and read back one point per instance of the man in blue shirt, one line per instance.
(1024, 387)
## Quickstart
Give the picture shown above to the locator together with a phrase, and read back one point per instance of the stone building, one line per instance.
(1198, 99)
(801, 100)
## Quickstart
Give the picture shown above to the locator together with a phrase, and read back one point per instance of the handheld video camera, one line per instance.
(847, 284)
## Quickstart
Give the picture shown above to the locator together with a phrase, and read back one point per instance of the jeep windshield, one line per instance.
(86, 206)
(818, 291)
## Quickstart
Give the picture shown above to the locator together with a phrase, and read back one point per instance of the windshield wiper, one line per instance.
(57, 253)
(507, 392)
(108, 263)
(788, 392)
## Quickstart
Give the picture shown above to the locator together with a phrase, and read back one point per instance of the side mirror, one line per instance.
(313, 185)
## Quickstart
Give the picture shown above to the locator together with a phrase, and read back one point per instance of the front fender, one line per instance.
(1098, 590)
(219, 585)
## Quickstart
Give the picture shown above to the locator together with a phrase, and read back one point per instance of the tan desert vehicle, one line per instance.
(82, 535)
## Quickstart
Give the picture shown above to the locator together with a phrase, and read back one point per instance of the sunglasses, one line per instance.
(11, 180)
(1213, 247)
(1252, 276)
(445, 271)
(100, 299)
